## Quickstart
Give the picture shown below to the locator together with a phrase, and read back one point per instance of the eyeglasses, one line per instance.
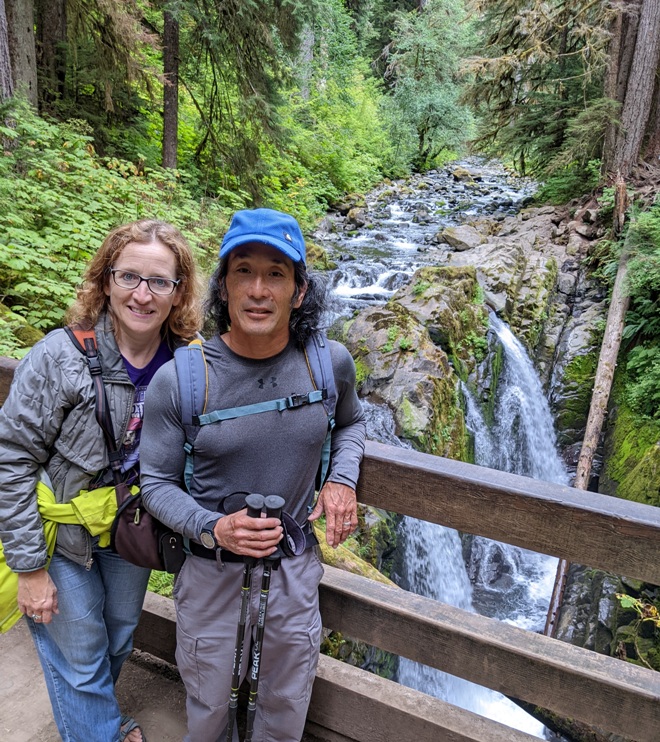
(156, 284)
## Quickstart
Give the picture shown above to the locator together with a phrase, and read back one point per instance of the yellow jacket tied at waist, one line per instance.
(95, 510)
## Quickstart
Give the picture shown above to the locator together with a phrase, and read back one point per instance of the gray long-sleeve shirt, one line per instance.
(272, 453)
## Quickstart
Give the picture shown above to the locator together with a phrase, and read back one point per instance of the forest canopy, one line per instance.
(190, 109)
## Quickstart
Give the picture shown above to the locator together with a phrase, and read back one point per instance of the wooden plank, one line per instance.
(571, 681)
(361, 706)
(583, 527)
(351, 703)
(156, 631)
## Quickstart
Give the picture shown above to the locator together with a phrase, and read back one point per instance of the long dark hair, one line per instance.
(303, 321)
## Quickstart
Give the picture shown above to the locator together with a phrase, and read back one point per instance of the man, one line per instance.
(265, 305)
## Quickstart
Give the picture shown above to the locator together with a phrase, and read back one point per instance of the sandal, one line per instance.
(127, 725)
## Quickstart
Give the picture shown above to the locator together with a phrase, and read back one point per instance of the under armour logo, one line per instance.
(273, 382)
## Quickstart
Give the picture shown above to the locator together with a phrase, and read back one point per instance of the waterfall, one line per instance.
(501, 581)
(511, 583)
(523, 422)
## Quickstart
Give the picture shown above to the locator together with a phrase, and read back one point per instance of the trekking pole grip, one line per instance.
(255, 504)
(274, 506)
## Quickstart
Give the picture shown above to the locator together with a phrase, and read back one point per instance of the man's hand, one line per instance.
(339, 502)
(37, 595)
(255, 537)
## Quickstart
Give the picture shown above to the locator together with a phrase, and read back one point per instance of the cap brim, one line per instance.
(281, 245)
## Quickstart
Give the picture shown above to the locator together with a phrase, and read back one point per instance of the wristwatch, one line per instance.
(207, 536)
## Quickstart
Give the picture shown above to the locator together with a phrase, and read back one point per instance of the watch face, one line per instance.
(207, 540)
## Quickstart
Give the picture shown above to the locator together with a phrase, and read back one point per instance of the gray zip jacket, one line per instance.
(48, 425)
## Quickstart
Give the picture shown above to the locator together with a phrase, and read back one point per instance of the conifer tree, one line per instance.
(6, 80)
(237, 58)
(22, 53)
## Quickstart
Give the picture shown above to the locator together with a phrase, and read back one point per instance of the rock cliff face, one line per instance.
(529, 268)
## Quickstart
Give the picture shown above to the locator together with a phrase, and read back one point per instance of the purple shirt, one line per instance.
(140, 378)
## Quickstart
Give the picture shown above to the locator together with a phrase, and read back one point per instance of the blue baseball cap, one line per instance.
(270, 227)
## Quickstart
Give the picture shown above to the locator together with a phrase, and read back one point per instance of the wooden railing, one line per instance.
(583, 527)
(595, 530)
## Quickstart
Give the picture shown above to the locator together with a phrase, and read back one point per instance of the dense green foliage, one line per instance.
(643, 320)
(58, 200)
(278, 105)
(539, 82)
(423, 67)
(640, 354)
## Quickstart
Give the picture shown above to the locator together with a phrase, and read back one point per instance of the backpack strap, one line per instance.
(319, 363)
(284, 403)
(193, 378)
(85, 342)
(192, 374)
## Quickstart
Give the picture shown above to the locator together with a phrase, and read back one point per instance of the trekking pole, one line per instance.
(274, 505)
(255, 504)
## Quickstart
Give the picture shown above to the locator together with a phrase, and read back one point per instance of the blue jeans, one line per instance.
(83, 648)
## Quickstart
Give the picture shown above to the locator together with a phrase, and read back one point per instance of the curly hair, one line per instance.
(184, 320)
(303, 321)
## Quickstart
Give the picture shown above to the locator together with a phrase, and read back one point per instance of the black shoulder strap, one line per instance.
(85, 342)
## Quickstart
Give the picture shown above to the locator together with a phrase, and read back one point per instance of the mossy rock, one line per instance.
(577, 386)
(643, 482)
(632, 458)
(375, 538)
(400, 366)
(358, 654)
(448, 301)
(317, 257)
(531, 307)
(343, 558)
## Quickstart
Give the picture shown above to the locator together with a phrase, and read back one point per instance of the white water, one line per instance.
(522, 441)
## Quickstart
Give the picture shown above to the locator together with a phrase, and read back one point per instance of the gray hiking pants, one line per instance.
(207, 597)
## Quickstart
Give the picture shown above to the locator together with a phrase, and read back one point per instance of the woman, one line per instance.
(140, 295)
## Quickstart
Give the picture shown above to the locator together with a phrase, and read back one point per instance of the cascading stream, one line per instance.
(500, 581)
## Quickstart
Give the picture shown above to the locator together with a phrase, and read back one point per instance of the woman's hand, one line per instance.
(37, 595)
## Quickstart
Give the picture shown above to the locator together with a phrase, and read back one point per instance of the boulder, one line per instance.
(447, 301)
(357, 217)
(399, 365)
(463, 237)
(461, 174)
(348, 202)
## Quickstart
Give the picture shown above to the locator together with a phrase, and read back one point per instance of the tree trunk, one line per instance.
(609, 352)
(51, 48)
(170, 90)
(622, 50)
(631, 13)
(20, 27)
(652, 150)
(639, 91)
(610, 87)
(6, 79)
